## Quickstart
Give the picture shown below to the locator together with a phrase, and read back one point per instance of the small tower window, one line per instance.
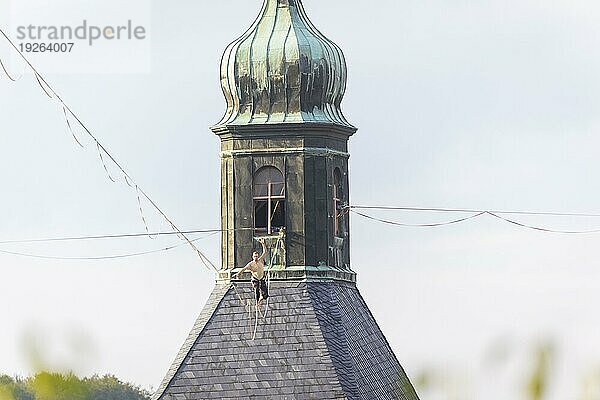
(269, 201)
(338, 203)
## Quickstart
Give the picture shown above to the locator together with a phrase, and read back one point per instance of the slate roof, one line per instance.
(317, 341)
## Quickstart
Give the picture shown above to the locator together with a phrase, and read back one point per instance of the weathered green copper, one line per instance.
(283, 70)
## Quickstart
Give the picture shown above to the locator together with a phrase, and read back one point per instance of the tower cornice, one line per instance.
(284, 129)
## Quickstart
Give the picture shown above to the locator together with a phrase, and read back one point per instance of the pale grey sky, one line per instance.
(490, 104)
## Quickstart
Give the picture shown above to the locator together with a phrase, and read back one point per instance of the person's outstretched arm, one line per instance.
(264, 246)
(246, 268)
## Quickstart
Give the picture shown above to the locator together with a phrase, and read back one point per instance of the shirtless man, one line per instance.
(257, 268)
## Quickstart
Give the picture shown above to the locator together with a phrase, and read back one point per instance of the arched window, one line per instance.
(269, 200)
(338, 203)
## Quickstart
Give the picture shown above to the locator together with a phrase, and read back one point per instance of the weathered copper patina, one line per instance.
(283, 70)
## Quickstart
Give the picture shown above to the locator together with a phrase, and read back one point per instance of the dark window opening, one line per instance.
(278, 215)
(269, 201)
(339, 222)
(260, 215)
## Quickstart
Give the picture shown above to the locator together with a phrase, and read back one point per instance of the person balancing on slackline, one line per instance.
(257, 268)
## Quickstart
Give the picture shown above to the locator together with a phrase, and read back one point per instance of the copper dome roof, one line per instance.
(283, 70)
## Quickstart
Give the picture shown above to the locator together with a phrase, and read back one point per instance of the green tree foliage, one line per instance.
(110, 388)
(537, 385)
(14, 389)
(57, 386)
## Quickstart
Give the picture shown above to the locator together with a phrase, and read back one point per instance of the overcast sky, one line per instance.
(489, 104)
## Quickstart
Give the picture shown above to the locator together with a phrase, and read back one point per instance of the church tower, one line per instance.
(284, 179)
(284, 145)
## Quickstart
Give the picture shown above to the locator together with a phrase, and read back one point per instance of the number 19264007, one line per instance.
(46, 47)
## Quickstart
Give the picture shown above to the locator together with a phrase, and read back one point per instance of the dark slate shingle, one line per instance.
(317, 341)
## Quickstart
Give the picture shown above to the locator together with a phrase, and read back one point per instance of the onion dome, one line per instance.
(283, 71)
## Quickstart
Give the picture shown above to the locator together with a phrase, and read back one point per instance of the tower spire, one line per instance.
(283, 70)
(284, 147)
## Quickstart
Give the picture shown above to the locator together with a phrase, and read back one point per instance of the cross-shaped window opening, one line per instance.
(269, 201)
